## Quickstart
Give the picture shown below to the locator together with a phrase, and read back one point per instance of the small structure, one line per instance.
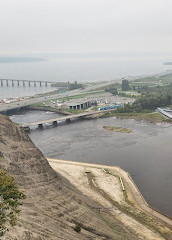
(82, 104)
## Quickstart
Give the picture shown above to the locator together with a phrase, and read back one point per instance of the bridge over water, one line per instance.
(17, 82)
(54, 121)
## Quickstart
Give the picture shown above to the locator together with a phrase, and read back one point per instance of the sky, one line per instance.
(52, 26)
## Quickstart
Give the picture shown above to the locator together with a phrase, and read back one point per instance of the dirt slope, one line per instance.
(53, 206)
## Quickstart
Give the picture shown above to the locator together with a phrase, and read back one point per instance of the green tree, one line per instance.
(10, 200)
(112, 89)
(75, 85)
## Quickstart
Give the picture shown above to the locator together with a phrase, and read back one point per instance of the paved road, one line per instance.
(36, 99)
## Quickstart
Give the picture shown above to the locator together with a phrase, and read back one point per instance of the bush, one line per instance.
(77, 228)
(10, 200)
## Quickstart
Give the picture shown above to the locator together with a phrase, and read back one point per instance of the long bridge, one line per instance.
(17, 82)
(11, 82)
(55, 121)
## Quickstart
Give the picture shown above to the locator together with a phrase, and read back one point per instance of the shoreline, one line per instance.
(153, 117)
(131, 187)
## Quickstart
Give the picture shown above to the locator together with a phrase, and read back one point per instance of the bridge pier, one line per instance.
(68, 120)
(7, 82)
(34, 84)
(23, 83)
(29, 83)
(26, 129)
(13, 83)
(1, 82)
(18, 84)
(40, 126)
(40, 84)
(46, 84)
(55, 123)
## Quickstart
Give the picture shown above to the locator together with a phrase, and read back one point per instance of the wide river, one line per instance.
(146, 153)
(84, 69)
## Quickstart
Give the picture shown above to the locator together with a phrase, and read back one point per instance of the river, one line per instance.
(145, 153)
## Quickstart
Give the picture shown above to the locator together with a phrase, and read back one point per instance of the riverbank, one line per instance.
(48, 109)
(114, 189)
(153, 117)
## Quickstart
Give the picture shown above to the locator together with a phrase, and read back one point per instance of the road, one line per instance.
(36, 99)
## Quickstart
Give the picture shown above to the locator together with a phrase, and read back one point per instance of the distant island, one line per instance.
(20, 59)
(167, 63)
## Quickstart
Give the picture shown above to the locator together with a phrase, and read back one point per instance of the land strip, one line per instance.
(102, 183)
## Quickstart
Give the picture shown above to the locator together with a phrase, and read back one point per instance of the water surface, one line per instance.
(145, 153)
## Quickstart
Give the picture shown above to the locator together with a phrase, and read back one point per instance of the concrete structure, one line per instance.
(80, 104)
(11, 82)
(55, 121)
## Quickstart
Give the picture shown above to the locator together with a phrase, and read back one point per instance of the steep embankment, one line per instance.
(53, 206)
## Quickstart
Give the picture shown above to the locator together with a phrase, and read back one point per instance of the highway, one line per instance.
(37, 99)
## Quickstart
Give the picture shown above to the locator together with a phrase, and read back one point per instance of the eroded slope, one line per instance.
(53, 206)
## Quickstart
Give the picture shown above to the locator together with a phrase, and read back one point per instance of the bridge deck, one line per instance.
(24, 80)
(61, 118)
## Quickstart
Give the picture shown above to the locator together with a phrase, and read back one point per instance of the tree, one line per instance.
(75, 85)
(112, 89)
(125, 85)
(10, 200)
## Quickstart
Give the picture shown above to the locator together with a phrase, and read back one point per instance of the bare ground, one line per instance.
(101, 183)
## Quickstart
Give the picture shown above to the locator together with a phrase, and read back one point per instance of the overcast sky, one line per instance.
(46, 26)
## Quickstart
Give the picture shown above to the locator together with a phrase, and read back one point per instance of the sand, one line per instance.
(93, 180)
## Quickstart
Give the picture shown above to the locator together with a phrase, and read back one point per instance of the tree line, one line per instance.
(149, 99)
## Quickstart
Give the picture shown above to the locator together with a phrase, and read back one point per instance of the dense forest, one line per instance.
(151, 99)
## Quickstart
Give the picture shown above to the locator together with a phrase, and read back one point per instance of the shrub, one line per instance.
(77, 228)
(10, 200)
